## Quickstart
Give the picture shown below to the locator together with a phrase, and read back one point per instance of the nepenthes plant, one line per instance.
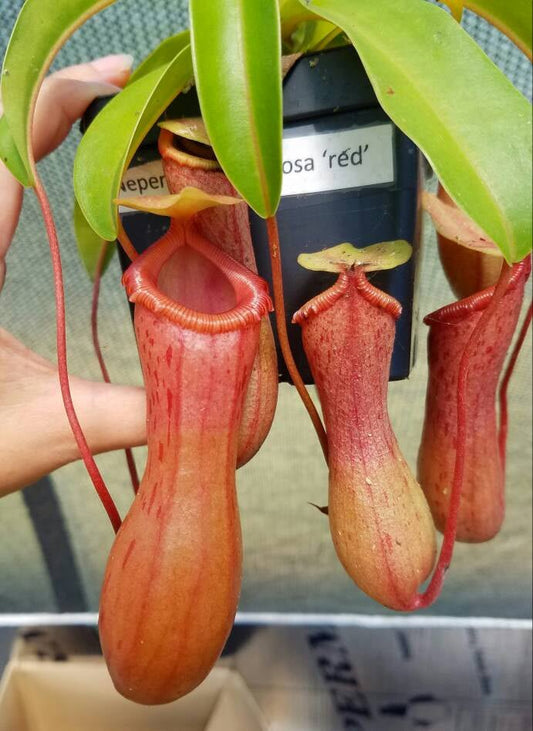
(201, 311)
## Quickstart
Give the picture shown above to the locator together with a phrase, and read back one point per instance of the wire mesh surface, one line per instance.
(290, 564)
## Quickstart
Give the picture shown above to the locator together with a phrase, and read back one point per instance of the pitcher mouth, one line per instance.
(190, 155)
(326, 299)
(244, 294)
(455, 312)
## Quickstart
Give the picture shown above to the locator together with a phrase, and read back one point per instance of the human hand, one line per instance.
(35, 436)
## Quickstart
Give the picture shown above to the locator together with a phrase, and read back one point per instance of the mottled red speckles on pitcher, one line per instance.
(229, 228)
(482, 505)
(379, 519)
(173, 577)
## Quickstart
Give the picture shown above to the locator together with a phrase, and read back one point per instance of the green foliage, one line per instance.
(161, 55)
(42, 27)
(236, 51)
(342, 257)
(90, 244)
(447, 96)
(111, 140)
(10, 155)
(438, 87)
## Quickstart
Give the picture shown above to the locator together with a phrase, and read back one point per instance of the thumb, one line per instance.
(34, 431)
(37, 439)
(111, 416)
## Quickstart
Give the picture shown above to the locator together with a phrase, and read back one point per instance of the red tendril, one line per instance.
(281, 324)
(504, 417)
(425, 599)
(62, 366)
(125, 241)
(130, 460)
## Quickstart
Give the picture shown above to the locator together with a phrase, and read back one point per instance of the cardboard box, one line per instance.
(46, 688)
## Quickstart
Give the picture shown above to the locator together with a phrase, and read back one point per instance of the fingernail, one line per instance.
(113, 64)
(101, 88)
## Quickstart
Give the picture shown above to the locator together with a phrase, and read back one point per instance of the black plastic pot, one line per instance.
(349, 175)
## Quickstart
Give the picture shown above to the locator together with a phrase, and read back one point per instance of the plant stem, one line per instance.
(125, 241)
(62, 366)
(99, 355)
(281, 324)
(504, 417)
(426, 598)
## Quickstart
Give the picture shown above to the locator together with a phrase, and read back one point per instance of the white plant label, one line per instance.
(353, 158)
(337, 160)
(147, 179)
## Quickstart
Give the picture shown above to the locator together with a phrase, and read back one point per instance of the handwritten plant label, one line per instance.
(147, 179)
(351, 158)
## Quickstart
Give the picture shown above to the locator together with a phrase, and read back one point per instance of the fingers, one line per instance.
(113, 69)
(66, 94)
(36, 436)
(63, 98)
(111, 416)
(34, 431)
(11, 203)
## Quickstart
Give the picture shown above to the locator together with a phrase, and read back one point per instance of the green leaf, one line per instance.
(447, 96)
(10, 155)
(110, 142)
(90, 244)
(342, 257)
(512, 17)
(237, 65)
(456, 6)
(161, 55)
(42, 27)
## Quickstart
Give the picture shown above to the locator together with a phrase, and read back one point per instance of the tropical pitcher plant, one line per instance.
(202, 323)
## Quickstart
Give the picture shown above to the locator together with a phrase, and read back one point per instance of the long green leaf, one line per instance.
(446, 95)
(10, 155)
(41, 29)
(237, 64)
(90, 244)
(88, 241)
(512, 17)
(112, 138)
(162, 54)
